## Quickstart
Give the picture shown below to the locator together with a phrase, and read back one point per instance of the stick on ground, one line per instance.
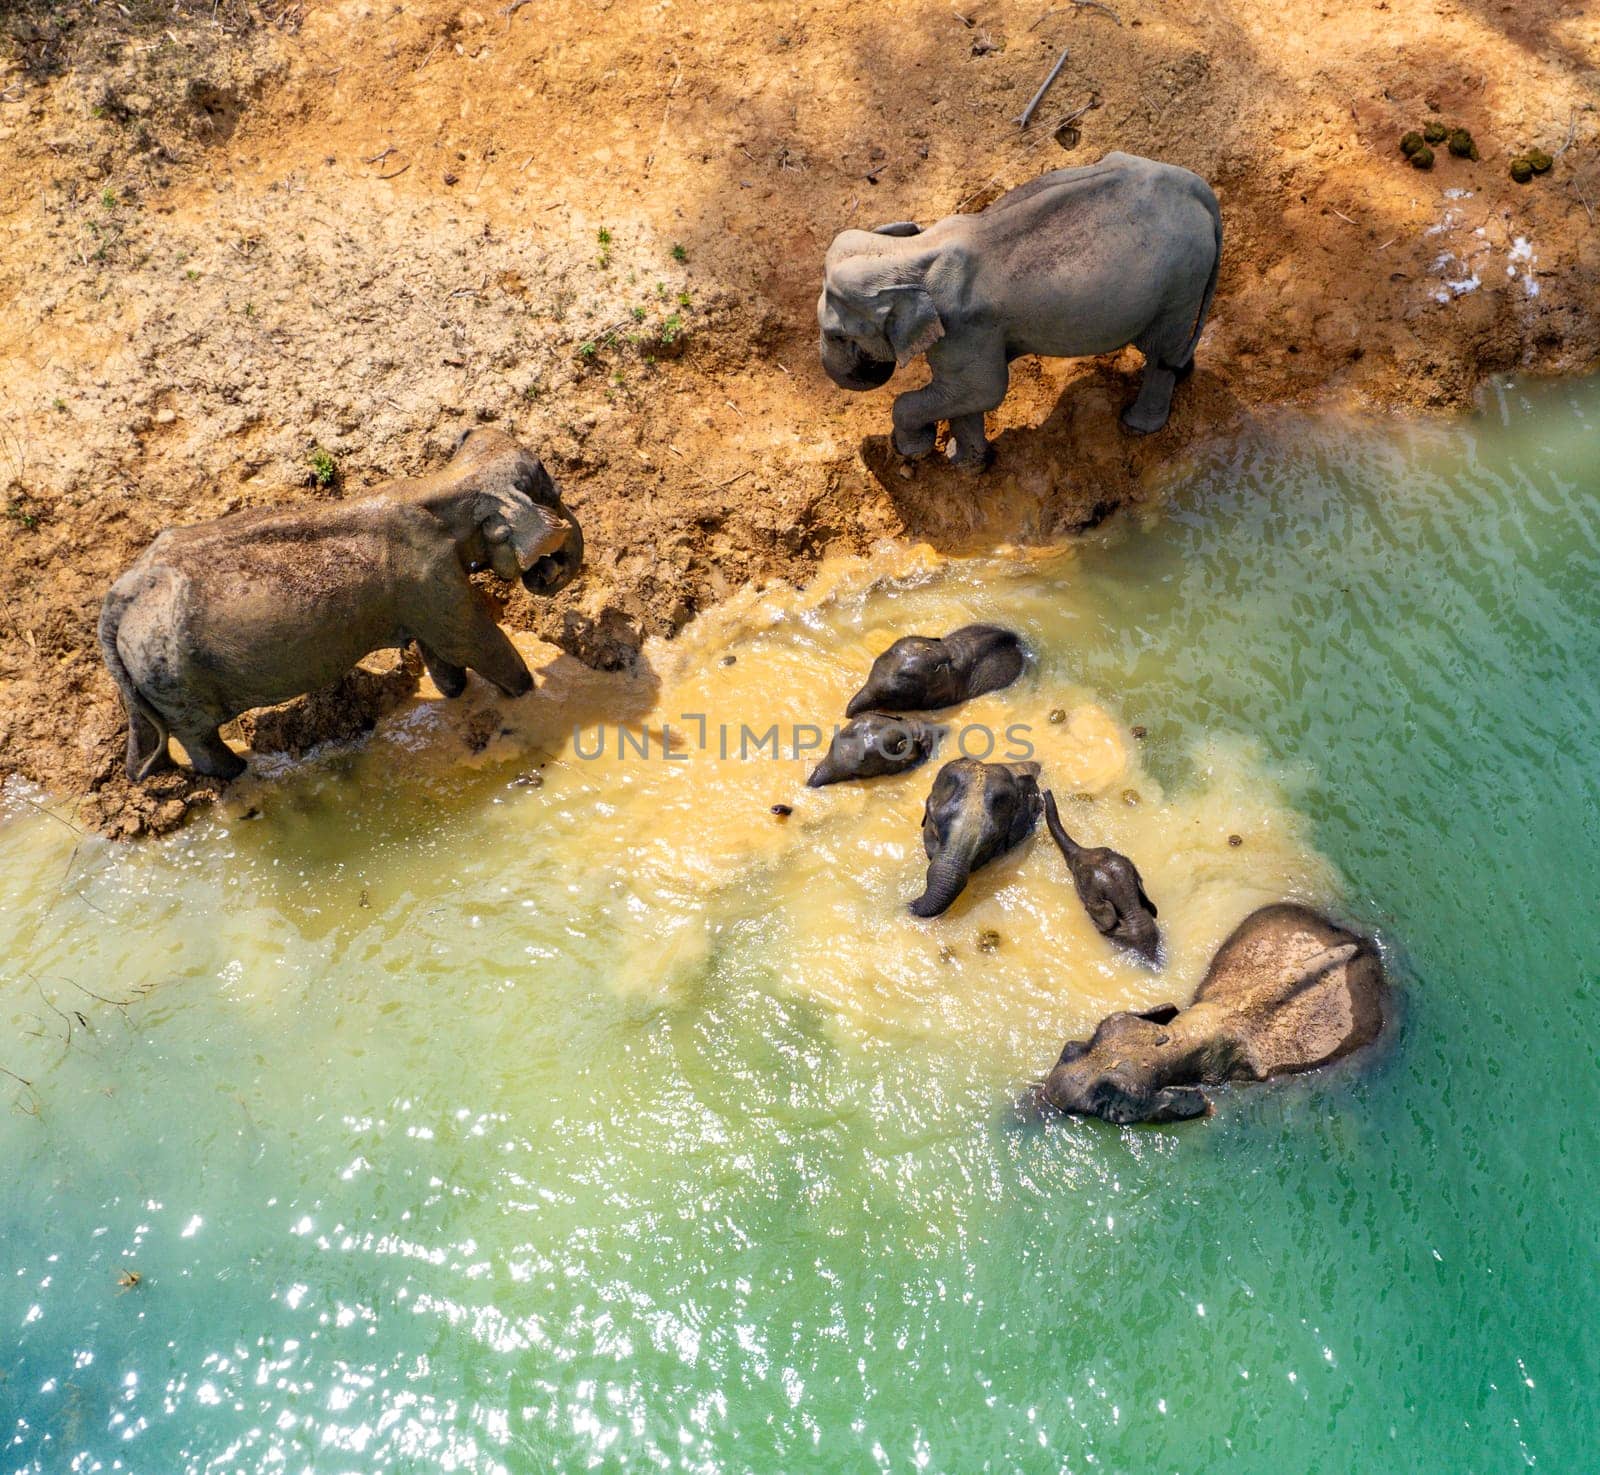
(1044, 87)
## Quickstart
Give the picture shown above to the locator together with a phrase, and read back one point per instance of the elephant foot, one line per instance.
(1144, 422)
(914, 445)
(974, 462)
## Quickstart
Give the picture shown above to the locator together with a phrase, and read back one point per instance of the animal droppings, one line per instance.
(988, 940)
(1411, 142)
(1058, 715)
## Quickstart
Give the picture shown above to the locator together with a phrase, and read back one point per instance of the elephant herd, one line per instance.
(1288, 991)
(261, 606)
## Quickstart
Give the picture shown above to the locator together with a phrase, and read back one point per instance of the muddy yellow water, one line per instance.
(654, 795)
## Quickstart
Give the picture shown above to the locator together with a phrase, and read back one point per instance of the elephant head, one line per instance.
(876, 744)
(1129, 1071)
(875, 311)
(976, 812)
(508, 513)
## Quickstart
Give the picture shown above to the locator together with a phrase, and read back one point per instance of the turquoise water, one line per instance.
(411, 1184)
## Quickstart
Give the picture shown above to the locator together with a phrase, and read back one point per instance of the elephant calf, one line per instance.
(1077, 262)
(258, 607)
(1288, 991)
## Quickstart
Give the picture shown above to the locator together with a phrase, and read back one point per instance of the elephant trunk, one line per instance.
(850, 368)
(947, 876)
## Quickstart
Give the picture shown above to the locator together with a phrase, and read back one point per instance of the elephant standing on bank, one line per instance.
(1077, 262)
(258, 607)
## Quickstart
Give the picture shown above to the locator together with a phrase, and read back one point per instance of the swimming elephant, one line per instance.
(258, 607)
(1288, 991)
(876, 744)
(920, 672)
(976, 812)
(1076, 262)
(1110, 888)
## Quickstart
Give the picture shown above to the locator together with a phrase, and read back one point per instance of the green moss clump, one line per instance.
(1435, 133)
(1422, 158)
(1410, 143)
(1461, 144)
(1521, 170)
(1540, 160)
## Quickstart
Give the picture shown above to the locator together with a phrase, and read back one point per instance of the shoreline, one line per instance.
(221, 301)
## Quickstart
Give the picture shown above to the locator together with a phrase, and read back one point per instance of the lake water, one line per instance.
(470, 1102)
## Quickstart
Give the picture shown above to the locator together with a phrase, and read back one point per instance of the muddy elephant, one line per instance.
(1076, 262)
(1288, 991)
(976, 812)
(258, 607)
(876, 744)
(920, 673)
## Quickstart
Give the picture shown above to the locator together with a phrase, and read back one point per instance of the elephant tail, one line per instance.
(1210, 202)
(147, 729)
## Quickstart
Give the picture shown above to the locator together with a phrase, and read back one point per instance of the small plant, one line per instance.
(58, 404)
(191, 275)
(108, 199)
(661, 291)
(17, 511)
(683, 299)
(587, 351)
(638, 314)
(672, 329)
(678, 253)
(604, 236)
(324, 469)
(249, 309)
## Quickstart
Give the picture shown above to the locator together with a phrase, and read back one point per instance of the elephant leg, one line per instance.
(1163, 345)
(969, 447)
(209, 754)
(961, 391)
(450, 679)
(465, 634)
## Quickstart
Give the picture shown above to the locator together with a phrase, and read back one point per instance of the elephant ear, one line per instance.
(913, 326)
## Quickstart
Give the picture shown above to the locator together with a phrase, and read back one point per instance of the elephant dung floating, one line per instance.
(920, 673)
(976, 812)
(876, 744)
(1110, 888)
(1076, 262)
(258, 607)
(1288, 991)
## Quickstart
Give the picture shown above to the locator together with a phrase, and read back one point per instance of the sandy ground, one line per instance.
(241, 244)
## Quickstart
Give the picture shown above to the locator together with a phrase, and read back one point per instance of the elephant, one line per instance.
(1288, 991)
(1110, 888)
(875, 744)
(1074, 263)
(975, 813)
(919, 673)
(260, 606)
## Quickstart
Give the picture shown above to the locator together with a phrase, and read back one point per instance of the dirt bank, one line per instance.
(250, 254)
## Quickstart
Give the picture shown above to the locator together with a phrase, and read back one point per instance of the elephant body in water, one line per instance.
(1288, 991)
(876, 744)
(976, 812)
(258, 607)
(1110, 888)
(920, 673)
(1076, 262)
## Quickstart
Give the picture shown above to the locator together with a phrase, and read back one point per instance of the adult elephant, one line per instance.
(1288, 991)
(258, 607)
(1077, 262)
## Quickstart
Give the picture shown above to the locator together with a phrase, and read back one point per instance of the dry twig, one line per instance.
(1044, 87)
